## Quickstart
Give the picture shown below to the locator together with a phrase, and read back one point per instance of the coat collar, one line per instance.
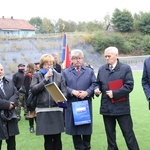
(5, 81)
(72, 68)
(117, 67)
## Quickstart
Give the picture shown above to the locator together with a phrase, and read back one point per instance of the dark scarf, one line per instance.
(21, 70)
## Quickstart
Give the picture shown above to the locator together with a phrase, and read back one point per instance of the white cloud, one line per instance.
(77, 10)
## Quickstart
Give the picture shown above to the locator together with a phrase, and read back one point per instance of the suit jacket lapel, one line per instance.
(1, 93)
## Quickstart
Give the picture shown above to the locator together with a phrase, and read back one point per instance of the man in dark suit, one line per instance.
(8, 117)
(117, 111)
(37, 66)
(56, 66)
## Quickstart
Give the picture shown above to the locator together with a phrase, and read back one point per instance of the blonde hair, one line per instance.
(45, 58)
(76, 52)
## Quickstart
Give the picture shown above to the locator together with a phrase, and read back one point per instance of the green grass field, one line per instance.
(140, 116)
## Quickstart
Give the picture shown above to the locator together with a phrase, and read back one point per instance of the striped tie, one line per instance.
(1, 86)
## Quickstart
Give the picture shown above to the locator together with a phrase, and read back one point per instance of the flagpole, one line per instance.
(63, 44)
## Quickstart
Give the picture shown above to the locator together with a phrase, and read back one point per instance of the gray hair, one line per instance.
(112, 49)
(55, 54)
(77, 52)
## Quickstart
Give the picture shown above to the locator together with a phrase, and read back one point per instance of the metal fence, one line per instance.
(135, 62)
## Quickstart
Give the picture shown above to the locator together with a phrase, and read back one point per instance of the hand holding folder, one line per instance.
(115, 85)
(55, 92)
(62, 104)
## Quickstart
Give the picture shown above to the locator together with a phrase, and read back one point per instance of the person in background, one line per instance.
(57, 66)
(80, 82)
(37, 66)
(119, 109)
(146, 79)
(88, 65)
(8, 99)
(30, 69)
(18, 79)
(49, 117)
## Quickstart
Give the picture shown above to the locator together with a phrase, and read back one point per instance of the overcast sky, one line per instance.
(74, 10)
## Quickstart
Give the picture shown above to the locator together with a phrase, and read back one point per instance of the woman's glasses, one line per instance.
(48, 65)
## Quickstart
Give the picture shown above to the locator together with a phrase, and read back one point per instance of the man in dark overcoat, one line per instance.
(115, 104)
(8, 116)
(57, 66)
(146, 79)
(80, 81)
(18, 79)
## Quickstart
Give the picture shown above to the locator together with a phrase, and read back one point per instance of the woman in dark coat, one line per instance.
(27, 81)
(8, 122)
(49, 122)
(80, 86)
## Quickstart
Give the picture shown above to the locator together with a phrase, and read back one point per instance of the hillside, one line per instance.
(13, 52)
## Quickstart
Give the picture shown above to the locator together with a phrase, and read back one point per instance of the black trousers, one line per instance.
(11, 143)
(53, 142)
(82, 142)
(126, 125)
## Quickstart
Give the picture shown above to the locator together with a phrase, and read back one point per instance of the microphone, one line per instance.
(50, 79)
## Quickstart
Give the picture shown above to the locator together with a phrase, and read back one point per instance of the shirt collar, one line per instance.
(114, 65)
(1, 78)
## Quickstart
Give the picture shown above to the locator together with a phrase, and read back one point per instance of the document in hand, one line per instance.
(55, 92)
(115, 85)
